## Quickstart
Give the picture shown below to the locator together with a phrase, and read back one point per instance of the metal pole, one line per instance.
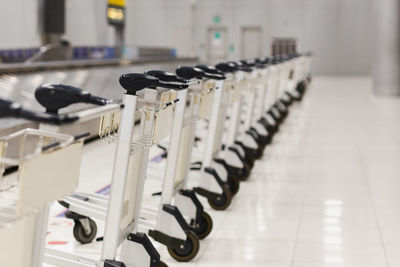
(386, 68)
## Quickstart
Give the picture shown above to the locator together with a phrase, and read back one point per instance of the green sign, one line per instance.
(217, 19)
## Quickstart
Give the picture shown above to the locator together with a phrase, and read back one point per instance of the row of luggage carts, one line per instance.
(210, 122)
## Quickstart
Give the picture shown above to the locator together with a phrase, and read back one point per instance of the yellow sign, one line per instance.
(120, 3)
(115, 14)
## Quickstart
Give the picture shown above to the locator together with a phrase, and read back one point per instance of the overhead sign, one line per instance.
(217, 19)
(120, 3)
(116, 12)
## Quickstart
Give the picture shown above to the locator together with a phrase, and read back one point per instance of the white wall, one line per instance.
(86, 23)
(19, 25)
(356, 36)
(157, 23)
(338, 31)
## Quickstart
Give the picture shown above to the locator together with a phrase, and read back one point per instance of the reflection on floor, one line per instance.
(325, 193)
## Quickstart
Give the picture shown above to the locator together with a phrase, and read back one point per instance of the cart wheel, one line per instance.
(257, 153)
(188, 251)
(223, 201)
(309, 78)
(233, 183)
(79, 232)
(204, 227)
(244, 173)
(162, 264)
(250, 159)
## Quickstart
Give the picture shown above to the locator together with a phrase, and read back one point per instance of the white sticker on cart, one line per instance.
(163, 123)
(49, 176)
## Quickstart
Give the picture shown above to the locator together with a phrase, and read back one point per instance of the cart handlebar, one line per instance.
(54, 97)
(9, 109)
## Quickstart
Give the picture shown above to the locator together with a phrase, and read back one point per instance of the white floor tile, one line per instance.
(324, 253)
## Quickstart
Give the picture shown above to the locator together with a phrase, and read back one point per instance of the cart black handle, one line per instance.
(166, 76)
(210, 69)
(9, 109)
(241, 67)
(54, 97)
(227, 67)
(248, 63)
(133, 82)
(264, 60)
(189, 72)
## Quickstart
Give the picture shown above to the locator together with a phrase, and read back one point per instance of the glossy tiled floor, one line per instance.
(326, 192)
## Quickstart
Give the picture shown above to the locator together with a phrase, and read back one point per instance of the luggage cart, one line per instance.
(225, 152)
(175, 190)
(291, 94)
(154, 107)
(47, 170)
(257, 101)
(270, 94)
(250, 138)
(280, 110)
(214, 152)
(276, 112)
(305, 75)
(214, 144)
(55, 97)
(238, 139)
(211, 185)
(166, 223)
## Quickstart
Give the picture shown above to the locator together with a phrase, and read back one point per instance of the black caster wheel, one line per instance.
(267, 140)
(259, 151)
(223, 201)
(233, 183)
(83, 236)
(254, 153)
(272, 129)
(244, 173)
(204, 227)
(250, 161)
(260, 146)
(188, 251)
(301, 88)
(257, 138)
(274, 116)
(309, 78)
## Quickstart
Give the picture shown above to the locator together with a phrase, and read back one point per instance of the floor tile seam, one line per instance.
(307, 181)
(371, 200)
(301, 218)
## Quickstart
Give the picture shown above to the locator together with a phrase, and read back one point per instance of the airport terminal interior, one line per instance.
(182, 133)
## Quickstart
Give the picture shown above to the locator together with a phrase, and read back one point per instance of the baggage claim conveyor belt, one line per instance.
(100, 77)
